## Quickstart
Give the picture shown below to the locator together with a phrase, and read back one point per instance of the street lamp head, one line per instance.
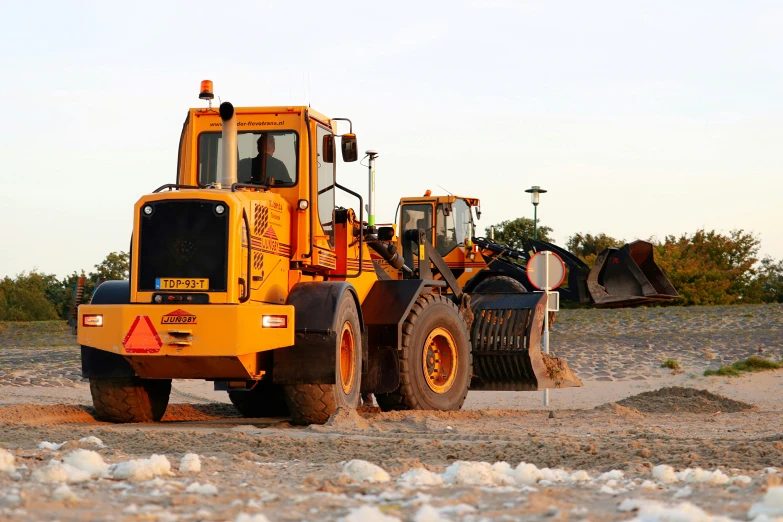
(534, 191)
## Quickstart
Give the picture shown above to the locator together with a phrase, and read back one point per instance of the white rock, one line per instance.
(56, 471)
(579, 476)
(190, 463)
(718, 477)
(7, 460)
(362, 471)
(469, 474)
(244, 517)
(683, 492)
(772, 504)
(459, 509)
(652, 511)
(142, 469)
(368, 514)
(527, 474)
(64, 493)
(427, 513)
(95, 441)
(50, 445)
(609, 490)
(208, 490)
(553, 475)
(664, 474)
(742, 481)
(417, 477)
(89, 461)
(503, 474)
(615, 474)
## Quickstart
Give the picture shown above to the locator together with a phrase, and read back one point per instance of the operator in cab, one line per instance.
(265, 166)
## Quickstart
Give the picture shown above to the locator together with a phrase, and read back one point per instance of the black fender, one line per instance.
(312, 358)
(100, 363)
(385, 309)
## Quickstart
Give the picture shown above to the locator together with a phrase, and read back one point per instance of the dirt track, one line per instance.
(267, 466)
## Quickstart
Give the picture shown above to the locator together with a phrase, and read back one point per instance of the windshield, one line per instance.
(261, 157)
(453, 229)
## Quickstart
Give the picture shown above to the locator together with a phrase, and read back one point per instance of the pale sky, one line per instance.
(640, 118)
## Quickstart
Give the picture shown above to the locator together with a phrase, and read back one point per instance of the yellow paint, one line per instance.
(224, 339)
(217, 329)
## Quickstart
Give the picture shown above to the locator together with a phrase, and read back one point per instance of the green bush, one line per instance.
(751, 364)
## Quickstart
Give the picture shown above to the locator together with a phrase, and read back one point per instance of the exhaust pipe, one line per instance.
(371, 202)
(229, 141)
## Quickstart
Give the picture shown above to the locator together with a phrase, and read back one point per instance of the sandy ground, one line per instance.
(266, 469)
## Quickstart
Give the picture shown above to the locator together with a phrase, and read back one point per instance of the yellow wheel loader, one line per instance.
(620, 277)
(245, 273)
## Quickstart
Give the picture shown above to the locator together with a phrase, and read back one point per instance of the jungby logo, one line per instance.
(178, 317)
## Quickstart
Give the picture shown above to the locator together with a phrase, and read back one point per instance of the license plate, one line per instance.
(178, 283)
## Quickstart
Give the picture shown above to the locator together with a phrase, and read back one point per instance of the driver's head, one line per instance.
(266, 144)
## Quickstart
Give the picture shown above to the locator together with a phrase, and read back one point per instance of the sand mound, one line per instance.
(54, 414)
(199, 412)
(344, 418)
(676, 399)
(65, 413)
(622, 411)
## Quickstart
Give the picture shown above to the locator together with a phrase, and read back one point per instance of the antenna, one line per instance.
(450, 194)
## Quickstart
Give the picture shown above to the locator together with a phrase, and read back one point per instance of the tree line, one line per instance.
(35, 296)
(706, 268)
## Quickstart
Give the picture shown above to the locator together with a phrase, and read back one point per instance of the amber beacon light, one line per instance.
(205, 93)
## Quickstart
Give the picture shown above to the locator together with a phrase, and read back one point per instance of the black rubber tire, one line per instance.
(505, 284)
(500, 283)
(130, 399)
(430, 311)
(266, 399)
(314, 403)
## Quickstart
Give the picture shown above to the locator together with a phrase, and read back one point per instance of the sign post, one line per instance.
(546, 271)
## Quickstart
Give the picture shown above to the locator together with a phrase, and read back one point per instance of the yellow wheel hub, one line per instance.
(439, 360)
(347, 357)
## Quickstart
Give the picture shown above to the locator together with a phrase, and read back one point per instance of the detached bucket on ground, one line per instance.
(628, 276)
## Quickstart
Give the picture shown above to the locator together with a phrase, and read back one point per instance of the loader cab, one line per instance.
(447, 221)
(284, 152)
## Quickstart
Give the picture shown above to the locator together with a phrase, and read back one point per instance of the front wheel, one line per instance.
(436, 362)
(314, 403)
(130, 399)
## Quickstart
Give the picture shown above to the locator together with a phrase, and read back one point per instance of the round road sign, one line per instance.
(537, 270)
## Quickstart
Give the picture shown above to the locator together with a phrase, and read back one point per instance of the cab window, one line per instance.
(261, 157)
(414, 218)
(454, 226)
(325, 187)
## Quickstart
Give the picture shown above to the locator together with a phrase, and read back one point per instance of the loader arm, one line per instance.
(622, 277)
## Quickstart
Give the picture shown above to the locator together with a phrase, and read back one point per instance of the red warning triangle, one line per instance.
(270, 233)
(142, 337)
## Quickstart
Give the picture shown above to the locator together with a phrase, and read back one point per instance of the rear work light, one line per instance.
(274, 321)
(92, 320)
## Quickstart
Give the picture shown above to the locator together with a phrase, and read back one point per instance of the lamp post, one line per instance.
(534, 191)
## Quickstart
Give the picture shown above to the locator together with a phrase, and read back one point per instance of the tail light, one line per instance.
(274, 321)
(92, 320)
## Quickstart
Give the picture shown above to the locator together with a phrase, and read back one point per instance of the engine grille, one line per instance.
(184, 239)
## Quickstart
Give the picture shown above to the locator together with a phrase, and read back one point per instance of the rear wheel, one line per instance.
(499, 283)
(436, 362)
(266, 399)
(314, 403)
(130, 399)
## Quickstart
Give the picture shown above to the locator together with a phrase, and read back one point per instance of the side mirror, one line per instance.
(348, 145)
(385, 233)
(328, 149)
(478, 213)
